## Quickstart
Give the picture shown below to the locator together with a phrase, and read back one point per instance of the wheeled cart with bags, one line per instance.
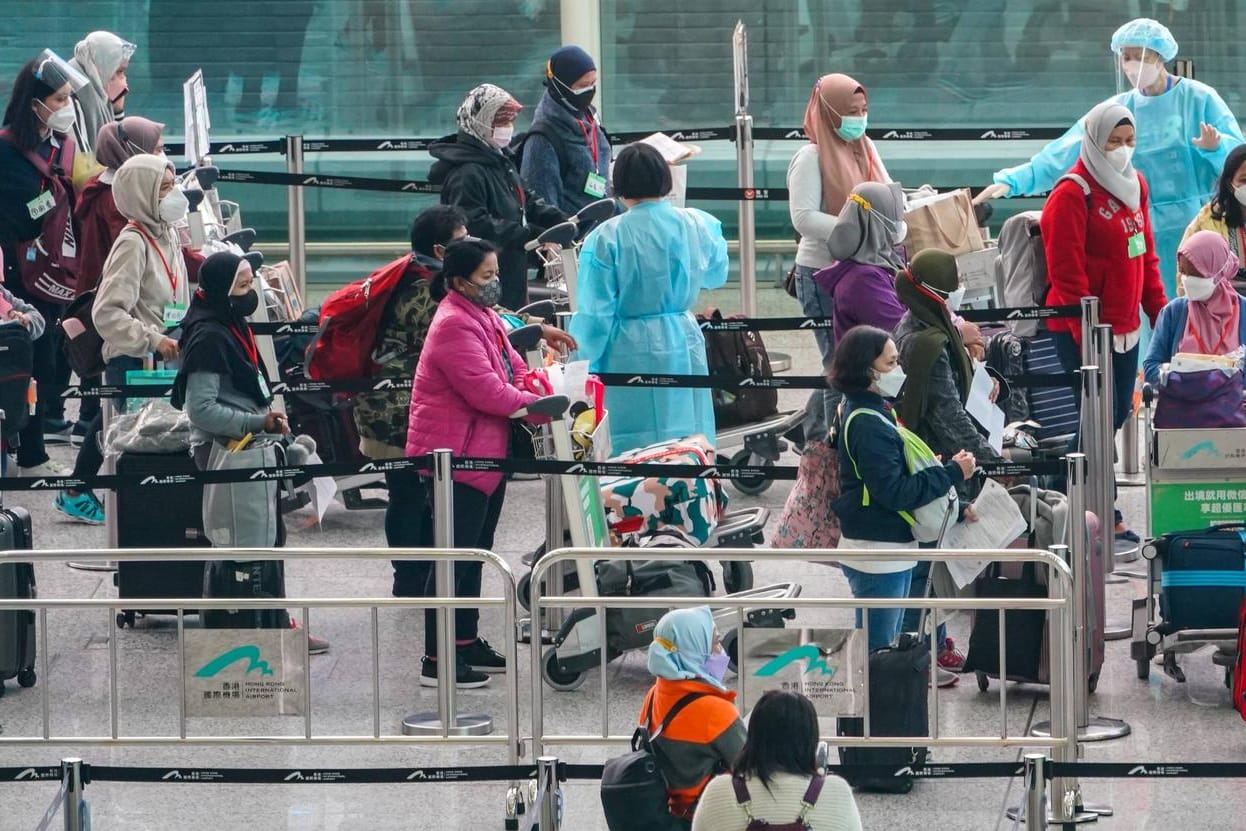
(1196, 548)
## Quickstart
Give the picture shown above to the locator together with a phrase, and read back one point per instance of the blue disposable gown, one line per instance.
(1182, 177)
(639, 277)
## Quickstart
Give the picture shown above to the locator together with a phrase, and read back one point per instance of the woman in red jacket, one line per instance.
(1096, 229)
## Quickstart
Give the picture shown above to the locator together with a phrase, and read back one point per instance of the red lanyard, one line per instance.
(248, 345)
(159, 253)
(1224, 334)
(591, 142)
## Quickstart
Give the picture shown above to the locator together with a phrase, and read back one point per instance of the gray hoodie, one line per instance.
(145, 271)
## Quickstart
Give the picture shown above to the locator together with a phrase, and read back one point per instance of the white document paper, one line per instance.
(984, 410)
(999, 523)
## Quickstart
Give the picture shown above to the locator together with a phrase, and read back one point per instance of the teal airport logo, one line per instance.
(1208, 447)
(247, 652)
(808, 651)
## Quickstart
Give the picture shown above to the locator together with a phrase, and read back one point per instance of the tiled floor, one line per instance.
(1171, 722)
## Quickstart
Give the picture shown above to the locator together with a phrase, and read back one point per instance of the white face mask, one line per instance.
(173, 206)
(890, 383)
(1240, 193)
(1142, 74)
(1120, 157)
(61, 121)
(502, 135)
(1198, 289)
(955, 298)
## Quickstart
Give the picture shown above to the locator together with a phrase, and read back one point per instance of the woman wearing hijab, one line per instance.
(1226, 212)
(1096, 229)
(104, 59)
(142, 294)
(862, 282)
(477, 175)
(837, 158)
(566, 156)
(99, 221)
(705, 736)
(1208, 320)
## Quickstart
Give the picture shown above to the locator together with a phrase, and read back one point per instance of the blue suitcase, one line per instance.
(1202, 578)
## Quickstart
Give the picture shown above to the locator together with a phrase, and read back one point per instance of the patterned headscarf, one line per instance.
(484, 108)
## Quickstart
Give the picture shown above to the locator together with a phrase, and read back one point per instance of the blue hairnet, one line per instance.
(1147, 33)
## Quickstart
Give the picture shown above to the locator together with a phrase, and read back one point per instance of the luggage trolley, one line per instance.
(1195, 478)
(574, 639)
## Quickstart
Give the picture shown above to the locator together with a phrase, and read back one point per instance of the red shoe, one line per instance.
(951, 658)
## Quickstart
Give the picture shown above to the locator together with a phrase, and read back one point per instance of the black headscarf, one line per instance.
(215, 338)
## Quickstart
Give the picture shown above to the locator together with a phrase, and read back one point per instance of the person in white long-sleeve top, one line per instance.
(838, 157)
(775, 779)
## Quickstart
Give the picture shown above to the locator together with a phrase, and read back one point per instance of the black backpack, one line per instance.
(633, 787)
(16, 362)
(742, 356)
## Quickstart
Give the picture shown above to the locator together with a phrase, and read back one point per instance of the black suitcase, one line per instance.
(899, 681)
(17, 580)
(167, 517)
(235, 578)
(1201, 577)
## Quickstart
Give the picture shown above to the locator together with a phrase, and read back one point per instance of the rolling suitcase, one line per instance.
(17, 580)
(899, 680)
(1202, 577)
(231, 578)
(177, 524)
(1054, 408)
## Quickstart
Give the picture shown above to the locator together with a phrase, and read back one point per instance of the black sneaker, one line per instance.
(482, 657)
(465, 678)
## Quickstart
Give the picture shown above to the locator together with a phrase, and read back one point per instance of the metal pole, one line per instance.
(1035, 792)
(744, 173)
(296, 221)
(446, 721)
(547, 773)
(71, 773)
(1090, 319)
(1104, 345)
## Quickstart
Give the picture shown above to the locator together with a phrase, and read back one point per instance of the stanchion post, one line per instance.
(1090, 319)
(744, 173)
(71, 774)
(1078, 561)
(547, 773)
(1107, 448)
(447, 720)
(1035, 792)
(296, 220)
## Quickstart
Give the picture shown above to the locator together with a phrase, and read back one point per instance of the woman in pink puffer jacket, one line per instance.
(468, 382)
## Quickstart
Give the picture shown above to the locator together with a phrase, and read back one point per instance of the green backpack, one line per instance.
(929, 521)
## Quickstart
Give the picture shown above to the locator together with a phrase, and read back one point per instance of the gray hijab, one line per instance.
(869, 226)
(1099, 124)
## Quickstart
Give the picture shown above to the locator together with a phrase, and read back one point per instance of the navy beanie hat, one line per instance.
(569, 64)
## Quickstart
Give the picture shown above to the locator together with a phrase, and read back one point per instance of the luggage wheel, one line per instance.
(354, 500)
(125, 619)
(1171, 668)
(1144, 668)
(753, 485)
(27, 678)
(984, 681)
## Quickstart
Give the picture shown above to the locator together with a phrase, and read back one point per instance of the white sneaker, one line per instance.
(48, 468)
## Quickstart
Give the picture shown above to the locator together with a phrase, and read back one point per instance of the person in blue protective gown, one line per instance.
(1185, 132)
(639, 277)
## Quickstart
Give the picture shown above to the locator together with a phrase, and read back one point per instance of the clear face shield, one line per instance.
(52, 70)
(1139, 69)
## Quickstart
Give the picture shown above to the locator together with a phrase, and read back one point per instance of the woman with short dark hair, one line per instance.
(639, 278)
(776, 774)
(878, 491)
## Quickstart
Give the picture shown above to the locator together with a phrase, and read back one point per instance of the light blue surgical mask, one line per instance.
(851, 127)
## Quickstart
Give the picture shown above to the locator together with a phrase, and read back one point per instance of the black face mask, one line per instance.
(582, 100)
(245, 304)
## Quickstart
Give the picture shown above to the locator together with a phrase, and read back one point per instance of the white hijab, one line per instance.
(1099, 124)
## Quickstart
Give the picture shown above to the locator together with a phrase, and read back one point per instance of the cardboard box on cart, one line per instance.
(1198, 478)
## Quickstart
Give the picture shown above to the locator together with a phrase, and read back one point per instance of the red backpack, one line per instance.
(350, 323)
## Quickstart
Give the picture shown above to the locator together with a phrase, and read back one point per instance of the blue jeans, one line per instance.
(814, 302)
(884, 623)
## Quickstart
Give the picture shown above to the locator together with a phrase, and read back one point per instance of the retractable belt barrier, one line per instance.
(458, 463)
(241, 147)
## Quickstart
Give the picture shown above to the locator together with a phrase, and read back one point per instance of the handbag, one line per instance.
(633, 788)
(1210, 398)
(243, 514)
(82, 344)
(945, 221)
(807, 520)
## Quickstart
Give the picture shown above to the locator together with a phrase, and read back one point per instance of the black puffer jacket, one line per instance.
(485, 184)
